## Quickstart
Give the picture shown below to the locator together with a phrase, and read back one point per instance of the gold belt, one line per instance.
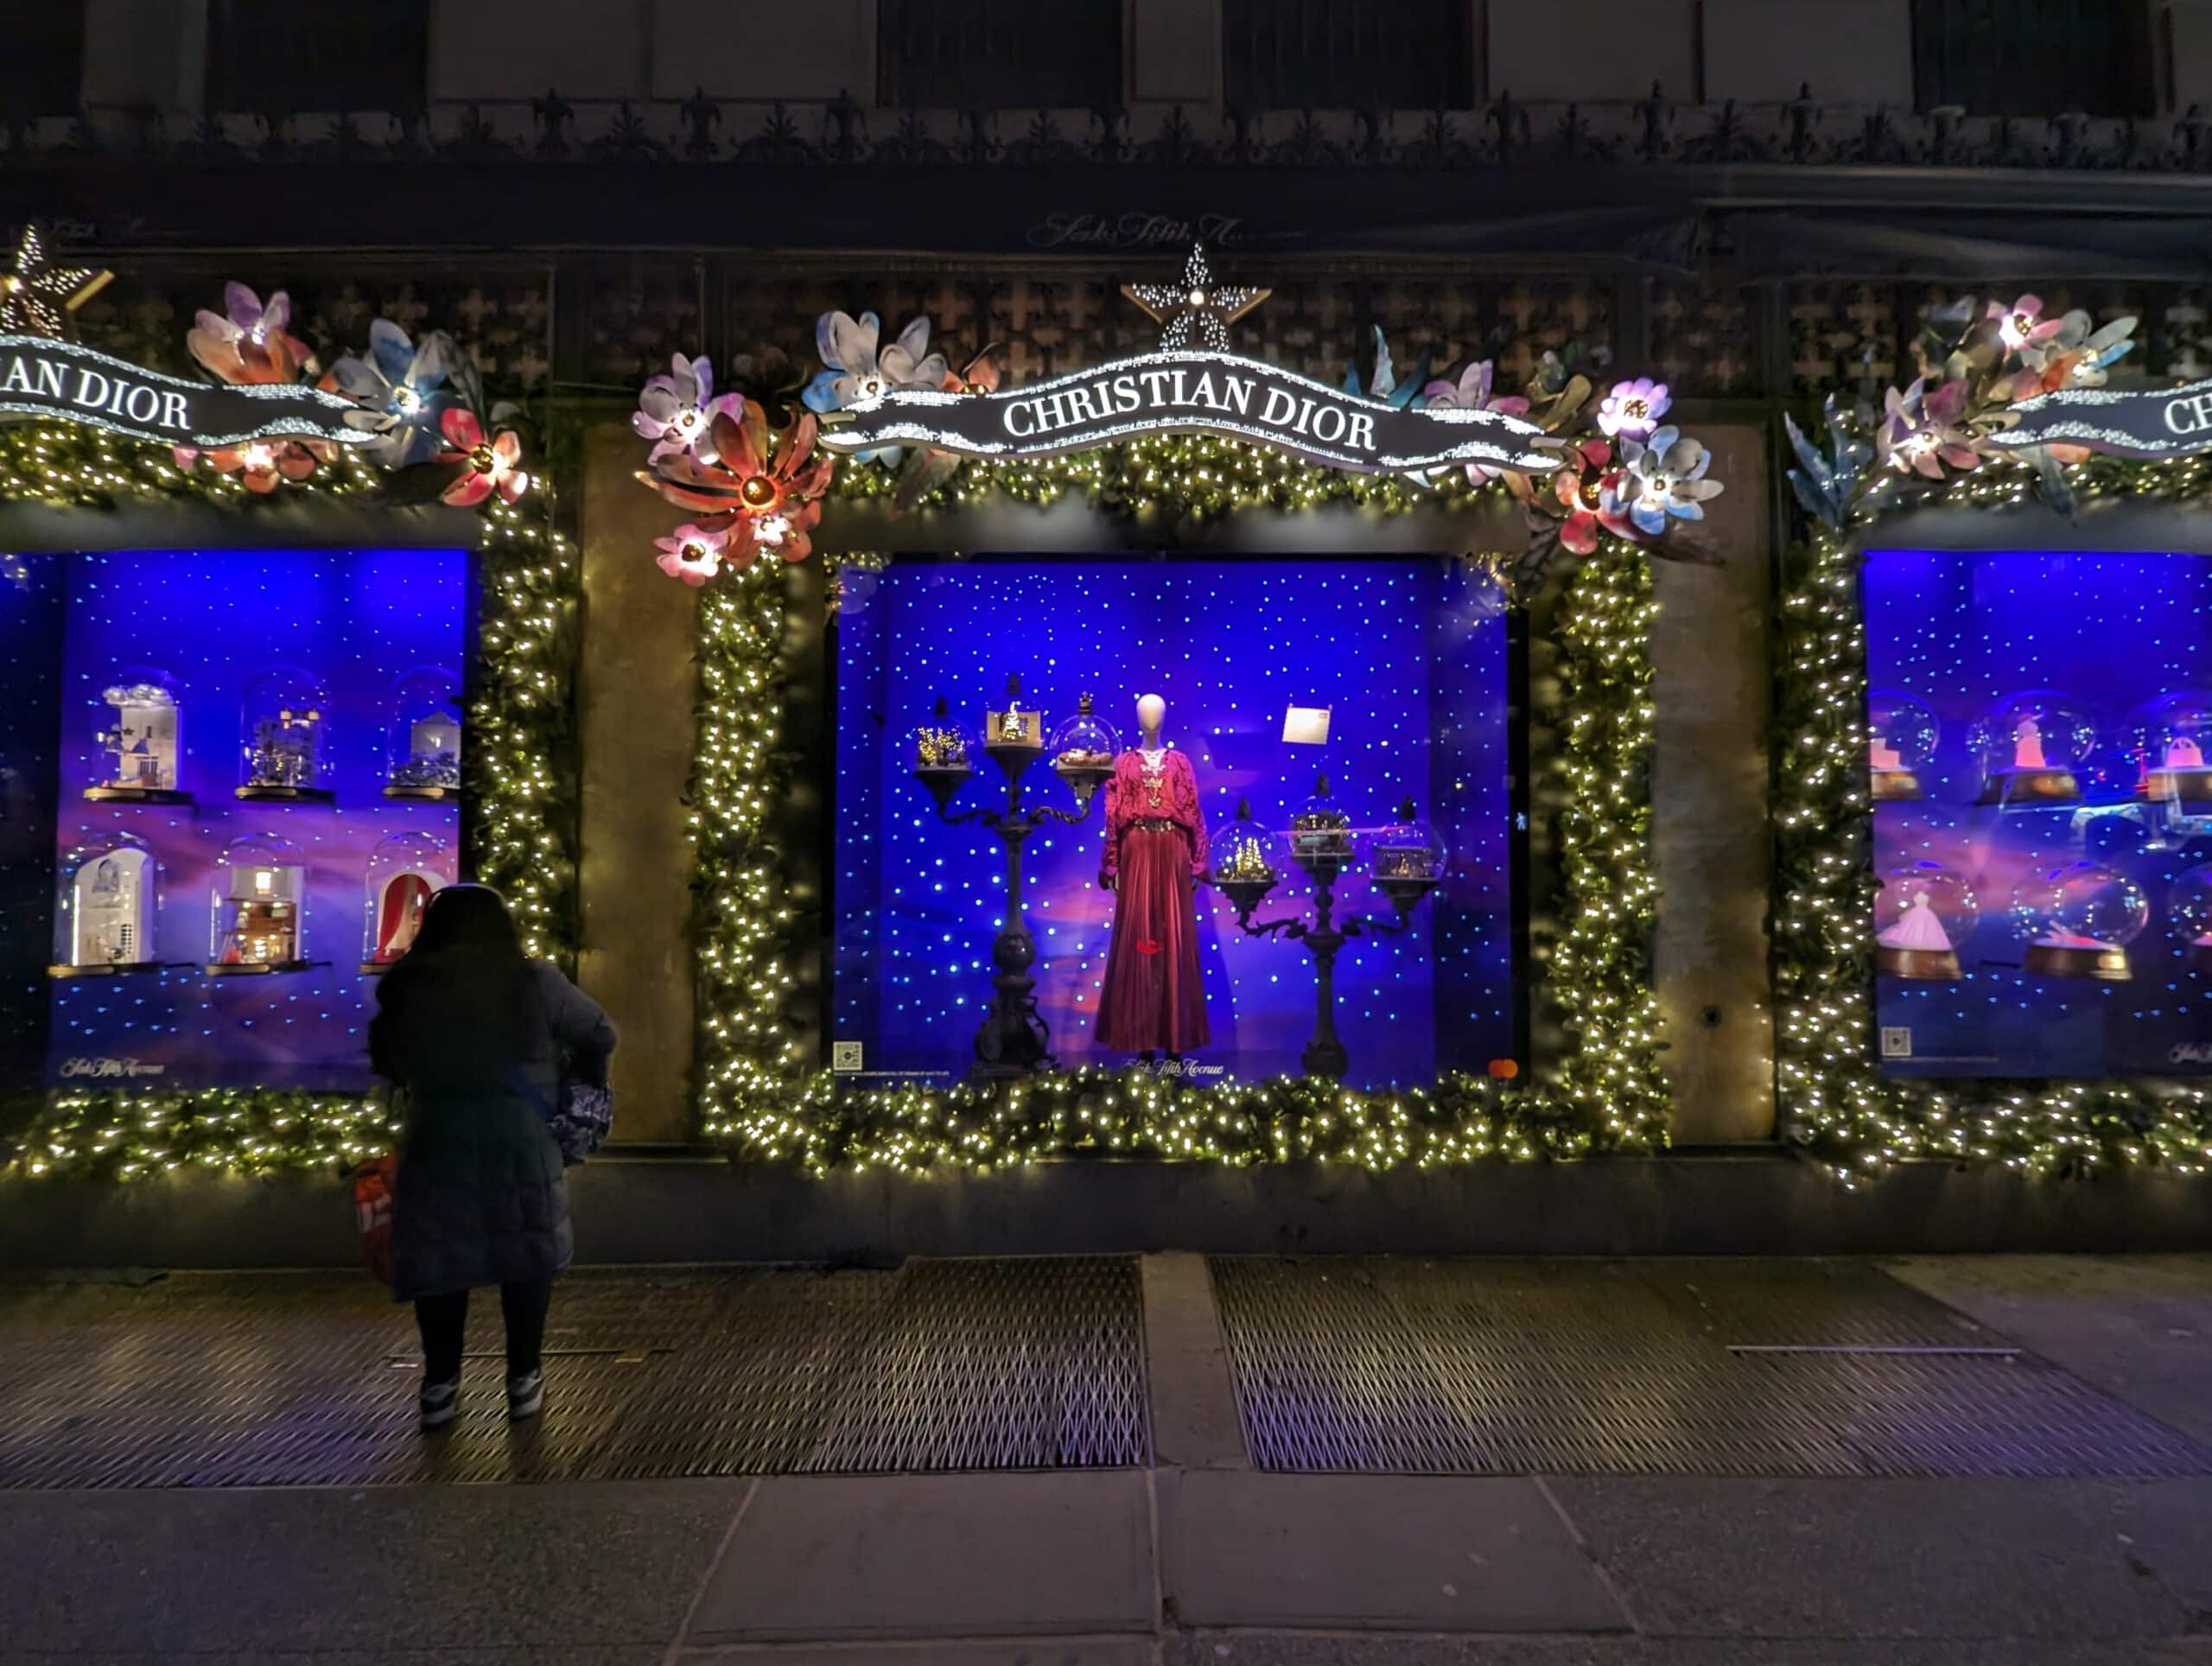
(1155, 824)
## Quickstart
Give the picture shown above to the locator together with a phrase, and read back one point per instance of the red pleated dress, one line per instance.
(1155, 852)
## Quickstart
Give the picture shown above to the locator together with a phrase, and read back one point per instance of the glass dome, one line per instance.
(943, 752)
(1242, 871)
(1014, 734)
(2078, 920)
(2031, 746)
(282, 739)
(1320, 834)
(422, 736)
(1901, 736)
(405, 871)
(2188, 905)
(1921, 913)
(140, 739)
(257, 917)
(1405, 858)
(104, 908)
(1082, 751)
(2171, 742)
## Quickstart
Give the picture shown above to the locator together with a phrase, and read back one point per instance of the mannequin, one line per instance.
(1155, 857)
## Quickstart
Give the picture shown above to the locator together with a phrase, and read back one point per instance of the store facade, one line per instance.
(797, 697)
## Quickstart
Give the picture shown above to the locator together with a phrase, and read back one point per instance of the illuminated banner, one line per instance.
(2126, 421)
(1184, 391)
(40, 377)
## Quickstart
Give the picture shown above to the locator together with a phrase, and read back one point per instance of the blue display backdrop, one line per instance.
(354, 622)
(1409, 655)
(2045, 798)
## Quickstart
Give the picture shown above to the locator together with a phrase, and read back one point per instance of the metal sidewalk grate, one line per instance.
(1614, 1368)
(308, 1379)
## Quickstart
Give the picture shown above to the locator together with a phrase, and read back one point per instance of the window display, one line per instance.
(1086, 932)
(2038, 890)
(404, 872)
(282, 741)
(422, 736)
(140, 737)
(104, 909)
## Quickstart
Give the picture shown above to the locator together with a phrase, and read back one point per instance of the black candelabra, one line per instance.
(1013, 1039)
(1321, 843)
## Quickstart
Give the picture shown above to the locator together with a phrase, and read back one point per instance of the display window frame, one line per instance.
(1835, 1100)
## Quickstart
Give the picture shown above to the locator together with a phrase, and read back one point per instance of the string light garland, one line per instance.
(761, 1095)
(1833, 1096)
(523, 838)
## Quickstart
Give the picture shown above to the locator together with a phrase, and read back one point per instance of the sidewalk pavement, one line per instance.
(1199, 1559)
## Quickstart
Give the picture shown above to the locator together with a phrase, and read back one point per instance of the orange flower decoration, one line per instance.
(766, 490)
(261, 464)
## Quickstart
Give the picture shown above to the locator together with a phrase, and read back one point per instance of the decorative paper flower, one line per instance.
(1922, 430)
(1473, 392)
(1632, 410)
(857, 370)
(1667, 480)
(2023, 323)
(261, 464)
(2075, 355)
(678, 410)
(248, 343)
(1591, 495)
(692, 553)
(772, 490)
(399, 384)
(486, 465)
(1386, 386)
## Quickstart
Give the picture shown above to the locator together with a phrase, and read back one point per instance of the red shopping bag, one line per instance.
(373, 1200)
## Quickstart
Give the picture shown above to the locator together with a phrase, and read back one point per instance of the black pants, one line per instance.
(441, 1318)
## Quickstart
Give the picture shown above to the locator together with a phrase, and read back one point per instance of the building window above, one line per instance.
(1348, 54)
(976, 54)
(273, 56)
(2033, 57)
(43, 67)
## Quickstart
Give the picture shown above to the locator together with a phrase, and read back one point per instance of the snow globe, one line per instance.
(282, 740)
(944, 754)
(104, 909)
(256, 923)
(1243, 872)
(2188, 905)
(2170, 738)
(423, 739)
(140, 740)
(1320, 835)
(1083, 749)
(2031, 746)
(405, 871)
(1015, 736)
(1921, 912)
(1405, 859)
(1901, 736)
(2078, 920)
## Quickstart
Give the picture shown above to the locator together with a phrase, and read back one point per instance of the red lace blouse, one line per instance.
(1129, 798)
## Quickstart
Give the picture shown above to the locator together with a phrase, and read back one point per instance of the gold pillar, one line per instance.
(636, 702)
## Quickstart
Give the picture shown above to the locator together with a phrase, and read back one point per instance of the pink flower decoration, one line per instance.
(2023, 322)
(1474, 392)
(691, 553)
(1632, 410)
(485, 466)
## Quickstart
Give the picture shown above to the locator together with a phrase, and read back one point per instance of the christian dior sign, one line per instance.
(2126, 421)
(40, 376)
(1186, 391)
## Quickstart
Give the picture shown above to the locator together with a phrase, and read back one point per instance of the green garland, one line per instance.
(760, 1096)
(1832, 1096)
(522, 754)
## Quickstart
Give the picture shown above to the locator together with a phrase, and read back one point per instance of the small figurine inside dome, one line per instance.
(944, 753)
(1247, 876)
(1083, 749)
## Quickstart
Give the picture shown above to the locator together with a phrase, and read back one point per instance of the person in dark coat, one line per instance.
(481, 1040)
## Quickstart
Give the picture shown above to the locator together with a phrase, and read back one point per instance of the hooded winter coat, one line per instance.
(480, 1198)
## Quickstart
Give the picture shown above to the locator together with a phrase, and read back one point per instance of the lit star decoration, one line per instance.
(1196, 302)
(35, 298)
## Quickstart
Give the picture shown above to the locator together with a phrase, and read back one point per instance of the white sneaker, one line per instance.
(439, 1403)
(525, 1394)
